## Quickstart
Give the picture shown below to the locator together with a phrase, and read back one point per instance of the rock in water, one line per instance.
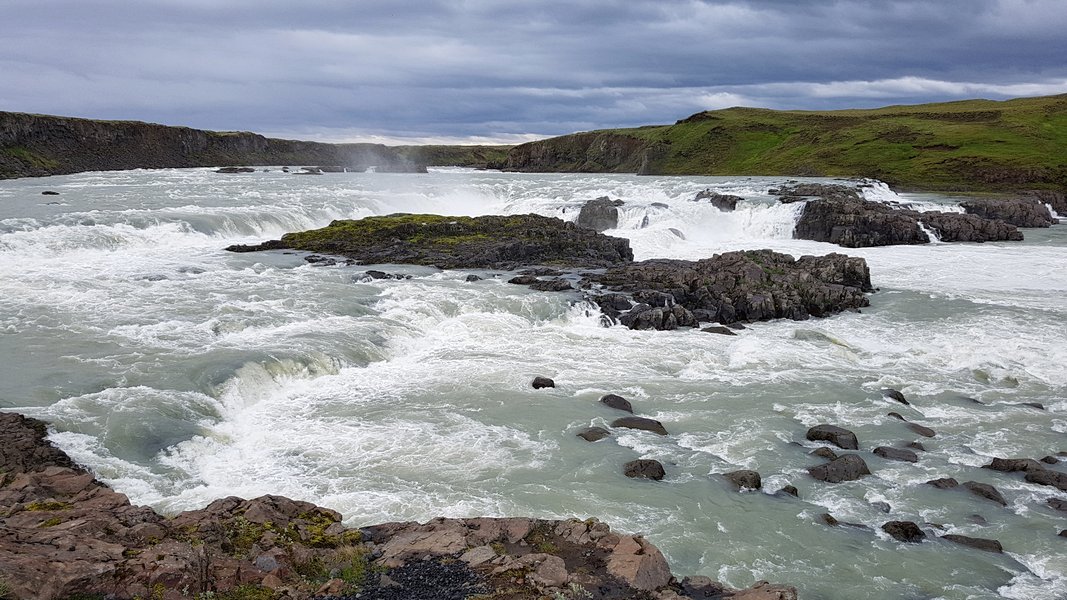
(979, 543)
(640, 423)
(984, 490)
(723, 202)
(1021, 212)
(840, 437)
(896, 396)
(644, 469)
(896, 454)
(944, 483)
(1010, 465)
(617, 402)
(542, 382)
(593, 434)
(904, 531)
(1048, 477)
(744, 479)
(845, 468)
(600, 214)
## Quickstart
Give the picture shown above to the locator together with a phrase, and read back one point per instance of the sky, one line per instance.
(493, 71)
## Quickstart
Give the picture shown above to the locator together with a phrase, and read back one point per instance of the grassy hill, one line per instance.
(966, 145)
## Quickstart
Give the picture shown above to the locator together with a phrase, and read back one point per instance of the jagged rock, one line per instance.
(904, 531)
(763, 590)
(1021, 212)
(896, 454)
(1048, 477)
(895, 395)
(744, 479)
(472, 278)
(552, 285)
(593, 434)
(540, 382)
(944, 483)
(840, 437)
(978, 543)
(845, 468)
(617, 402)
(640, 423)
(984, 490)
(1011, 465)
(523, 280)
(723, 202)
(1056, 199)
(830, 191)
(824, 452)
(644, 469)
(644, 316)
(600, 214)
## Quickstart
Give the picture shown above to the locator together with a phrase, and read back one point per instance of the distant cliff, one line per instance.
(38, 145)
(478, 157)
(969, 145)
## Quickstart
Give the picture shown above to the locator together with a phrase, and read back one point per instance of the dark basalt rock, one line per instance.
(552, 285)
(524, 280)
(1011, 465)
(719, 329)
(1050, 460)
(944, 483)
(979, 543)
(617, 402)
(644, 469)
(1058, 504)
(845, 468)
(904, 531)
(1048, 477)
(49, 193)
(754, 285)
(840, 437)
(830, 191)
(600, 214)
(593, 434)
(232, 170)
(788, 491)
(472, 278)
(489, 242)
(922, 430)
(824, 452)
(984, 490)
(1056, 199)
(540, 382)
(744, 479)
(896, 454)
(898, 397)
(1021, 212)
(723, 202)
(640, 423)
(833, 522)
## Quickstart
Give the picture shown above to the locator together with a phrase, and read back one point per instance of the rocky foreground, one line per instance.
(63, 534)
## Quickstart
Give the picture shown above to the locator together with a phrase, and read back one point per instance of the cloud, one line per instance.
(490, 69)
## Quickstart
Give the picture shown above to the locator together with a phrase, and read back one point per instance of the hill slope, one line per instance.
(967, 145)
(38, 145)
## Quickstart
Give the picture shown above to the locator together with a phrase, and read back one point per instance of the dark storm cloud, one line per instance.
(489, 68)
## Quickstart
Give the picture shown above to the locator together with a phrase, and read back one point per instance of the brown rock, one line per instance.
(644, 469)
(845, 468)
(640, 564)
(984, 490)
(979, 543)
(617, 402)
(640, 423)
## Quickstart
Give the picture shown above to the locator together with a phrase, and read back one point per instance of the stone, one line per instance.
(763, 590)
(1034, 405)
(882, 506)
(896, 454)
(824, 452)
(904, 531)
(1048, 477)
(984, 490)
(915, 446)
(593, 434)
(922, 430)
(617, 402)
(1058, 504)
(723, 202)
(848, 467)
(833, 522)
(943, 483)
(1010, 465)
(478, 556)
(984, 544)
(840, 437)
(788, 491)
(233, 170)
(1021, 212)
(719, 329)
(49, 193)
(472, 278)
(744, 479)
(640, 423)
(540, 382)
(895, 395)
(638, 563)
(600, 214)
(552, 285)
(1050, 460)
(644, 469)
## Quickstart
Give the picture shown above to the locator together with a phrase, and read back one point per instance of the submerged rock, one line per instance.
(744, 479)
(840, 437)
(904, 531)
(895, 395)
(644, 469)
(844, 468)
(640, 423)
(617, 402)
(896, 454)
(944, 483)
(593, 434)
(979, 543)
(984, 490)
(232, 170)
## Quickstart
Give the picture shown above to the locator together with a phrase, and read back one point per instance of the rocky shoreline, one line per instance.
(64, 534)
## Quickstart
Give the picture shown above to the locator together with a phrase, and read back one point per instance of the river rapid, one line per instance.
(181, 373)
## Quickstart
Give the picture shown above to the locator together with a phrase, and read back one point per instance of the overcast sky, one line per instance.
(493, 70)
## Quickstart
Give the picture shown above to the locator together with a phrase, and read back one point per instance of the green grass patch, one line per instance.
(31, 158)
(48, 505)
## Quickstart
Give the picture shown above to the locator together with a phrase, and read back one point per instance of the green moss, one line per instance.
(52, 522)
(354, 573)
(48, 505)
(243, 534)
(247, 592)
(5, 590)
(31, 158)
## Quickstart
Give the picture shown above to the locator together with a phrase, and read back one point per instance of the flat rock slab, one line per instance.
(984, 490)
(640, 423)
(896, 454)
(984, 544)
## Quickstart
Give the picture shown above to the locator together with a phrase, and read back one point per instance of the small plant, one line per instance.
(5, 590)
(48, 505)
(51, 522)
(246, 592)
(574, 591)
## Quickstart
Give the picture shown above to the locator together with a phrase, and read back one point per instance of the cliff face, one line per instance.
(592, 152)
(39, 145)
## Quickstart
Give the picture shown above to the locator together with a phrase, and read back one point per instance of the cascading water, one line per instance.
(181, 373)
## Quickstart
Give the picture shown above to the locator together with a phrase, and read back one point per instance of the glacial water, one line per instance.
(181, 373)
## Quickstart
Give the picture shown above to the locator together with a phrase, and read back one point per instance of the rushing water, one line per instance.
(181, 373)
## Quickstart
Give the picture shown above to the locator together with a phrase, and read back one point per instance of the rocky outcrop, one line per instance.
(39, 145)
(735, 286)
(1020, 212)
(592, 152)
(723, 202)
(63, 534)
(1056, 199)
(490, 242)
(857, 223)
(600, 214)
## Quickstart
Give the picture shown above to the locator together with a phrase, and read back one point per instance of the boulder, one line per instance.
(744, 479)
(845, 468)
(904, 531)
(944, 483)
(1020, 212)
(922, 430)
(640, 423)
(540, 382)
(1048, 477)
(788, 490)
(824, 452)
(723, 202)
(719, 329)
(984, 490)
(984, 544)
(1050, 460)
(644, 469)
(896, 454)
(1058, 504)
(552, 285)
(895, 395)
(593, 434)
(617, 402)
(233, 170)
(600, 214)
(1011, 465)
(840, 437)
(1056, 199)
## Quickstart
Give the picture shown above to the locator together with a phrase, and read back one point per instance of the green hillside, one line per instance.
(966, 145)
